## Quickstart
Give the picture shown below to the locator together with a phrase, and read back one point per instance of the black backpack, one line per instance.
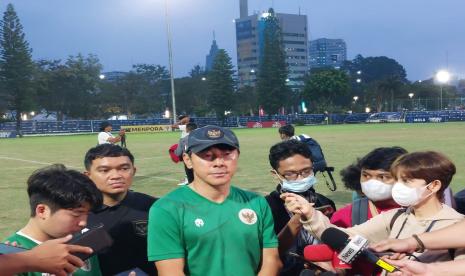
(319, 162)
(318, 159)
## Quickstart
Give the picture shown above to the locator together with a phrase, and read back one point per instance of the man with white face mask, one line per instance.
(376, 184)
(292, 167)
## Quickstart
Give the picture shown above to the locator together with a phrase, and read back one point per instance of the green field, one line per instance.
(157, 175)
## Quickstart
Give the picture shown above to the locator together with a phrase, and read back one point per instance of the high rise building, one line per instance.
(326, 52)
(295, 43)
(212, 55)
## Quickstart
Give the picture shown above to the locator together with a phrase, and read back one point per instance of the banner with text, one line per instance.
(277, 124)
(147, 128)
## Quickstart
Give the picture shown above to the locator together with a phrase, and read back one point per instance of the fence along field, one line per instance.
(157, 175)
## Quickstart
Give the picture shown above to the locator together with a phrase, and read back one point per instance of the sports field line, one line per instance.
(68, 166)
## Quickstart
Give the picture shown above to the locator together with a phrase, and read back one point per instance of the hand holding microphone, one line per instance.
(351, 249)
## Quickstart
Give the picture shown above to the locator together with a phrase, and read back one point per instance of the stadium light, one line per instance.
(101, 76)
(359, 80)
(170, 59)
(367, 109)
(442, 76)
(355, 99)
(359, 72)
(204, 78)
(411, 98)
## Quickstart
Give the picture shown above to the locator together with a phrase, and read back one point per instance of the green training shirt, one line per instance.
(91, 267)
(213, 238)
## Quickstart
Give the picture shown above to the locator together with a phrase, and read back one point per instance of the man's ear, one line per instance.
(86, 173)
(134, 170)
(42, 211)
(275, 175)
(187, 160)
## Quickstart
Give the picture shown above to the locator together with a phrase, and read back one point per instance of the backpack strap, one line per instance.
(396, 215)
(359, 211)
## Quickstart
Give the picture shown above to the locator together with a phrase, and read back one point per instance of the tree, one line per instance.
(70, 88)
(16, 66)
(246, 101)
(272, 71)
(152, 72)
(327, 90)
(379, 80)
(221, 84)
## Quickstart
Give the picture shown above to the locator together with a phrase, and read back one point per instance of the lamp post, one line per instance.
(411, 98)
(355, 102)
(170, 59)
(442, 77)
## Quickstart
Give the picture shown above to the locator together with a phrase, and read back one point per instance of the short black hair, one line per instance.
(191, 126)
(105, 150)
(286, 149)
(61, 188)
(287, 130)
(350, 177)
(180, 117)
(381, 158)
(104, 125)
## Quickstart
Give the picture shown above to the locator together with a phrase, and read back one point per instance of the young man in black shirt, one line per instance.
(124, 213)
(292, 166)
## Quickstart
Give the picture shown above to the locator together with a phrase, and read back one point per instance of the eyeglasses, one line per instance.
(290, 175)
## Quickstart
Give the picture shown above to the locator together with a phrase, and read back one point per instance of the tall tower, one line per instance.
(212, 55)
(244, 10)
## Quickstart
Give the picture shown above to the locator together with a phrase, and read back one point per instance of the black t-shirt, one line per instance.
(127, 225)
(291, 265)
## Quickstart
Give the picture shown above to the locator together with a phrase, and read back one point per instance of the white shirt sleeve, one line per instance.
(182, 128)
(103, 137)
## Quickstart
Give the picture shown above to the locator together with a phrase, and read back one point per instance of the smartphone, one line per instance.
(96, 238)
(8, 249)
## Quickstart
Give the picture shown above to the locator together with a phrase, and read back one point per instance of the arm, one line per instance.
(117, 138)
(52, 256)
(271, 264)
(316, 222)
(288, 234)
(171, 267)
(407, 267)
(439, 239)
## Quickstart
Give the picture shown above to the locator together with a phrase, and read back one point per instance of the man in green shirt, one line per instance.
(60, 201)
(210, 227)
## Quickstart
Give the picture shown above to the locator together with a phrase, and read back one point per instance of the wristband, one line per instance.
(421, 246)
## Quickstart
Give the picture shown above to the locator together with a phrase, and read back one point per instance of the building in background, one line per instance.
(113, 75)
(295, 43)
(324, 52)
(212, 55)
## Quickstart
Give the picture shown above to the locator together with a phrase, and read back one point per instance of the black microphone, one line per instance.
(351, 249)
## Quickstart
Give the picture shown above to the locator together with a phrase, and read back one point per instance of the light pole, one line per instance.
(170, 59)
(411, 98)
(355, 102)
(442, 77)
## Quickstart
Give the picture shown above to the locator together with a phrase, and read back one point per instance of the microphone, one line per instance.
(324, 253)
(351, 249)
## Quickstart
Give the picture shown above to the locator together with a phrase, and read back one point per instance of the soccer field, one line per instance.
(157, 175)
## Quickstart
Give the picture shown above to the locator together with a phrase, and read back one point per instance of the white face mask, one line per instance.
(376, 190)
(406, 196)
(299, 186)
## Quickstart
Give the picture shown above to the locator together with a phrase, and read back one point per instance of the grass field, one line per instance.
(157, 175)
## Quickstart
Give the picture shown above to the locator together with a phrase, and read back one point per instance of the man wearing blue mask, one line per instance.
(292, 166)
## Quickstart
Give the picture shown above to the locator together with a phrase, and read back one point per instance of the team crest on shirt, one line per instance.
(248, 216)
(140, 227)
(199, 222)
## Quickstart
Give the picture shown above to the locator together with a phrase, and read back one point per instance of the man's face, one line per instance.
(112, 175)
(108, 129)
(214, 166)
(63, 221)
(296, 165)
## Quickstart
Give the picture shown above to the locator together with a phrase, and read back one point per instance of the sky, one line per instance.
(422, 35)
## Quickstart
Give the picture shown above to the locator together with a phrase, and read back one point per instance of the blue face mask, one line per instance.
(299, 186)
